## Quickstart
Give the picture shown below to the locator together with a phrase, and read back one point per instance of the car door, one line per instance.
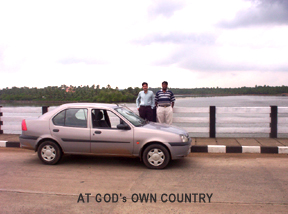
(70, 128)
(106, 138)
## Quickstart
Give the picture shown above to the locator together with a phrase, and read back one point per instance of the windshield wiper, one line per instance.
(144, 122)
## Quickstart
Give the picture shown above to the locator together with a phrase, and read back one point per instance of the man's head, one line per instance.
(145, 86)
(164, 85)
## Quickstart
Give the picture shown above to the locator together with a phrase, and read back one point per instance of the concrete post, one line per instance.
(1, 122)
(44, 109)
(274, 121)
(212, 130)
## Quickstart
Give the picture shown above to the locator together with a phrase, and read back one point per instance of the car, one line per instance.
(103, 129)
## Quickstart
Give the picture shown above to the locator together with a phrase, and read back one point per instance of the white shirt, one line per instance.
(145, 99)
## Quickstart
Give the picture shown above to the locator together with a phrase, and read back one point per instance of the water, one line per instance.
(233, 101)
(27, 103)
(219, 101)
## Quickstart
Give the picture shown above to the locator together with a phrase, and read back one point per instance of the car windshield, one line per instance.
(131, 116)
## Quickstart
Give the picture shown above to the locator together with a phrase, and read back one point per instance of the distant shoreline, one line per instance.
(225, 95)
(64, 94)
(51, 102)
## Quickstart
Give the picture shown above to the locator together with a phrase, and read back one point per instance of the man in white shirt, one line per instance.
(145, 102)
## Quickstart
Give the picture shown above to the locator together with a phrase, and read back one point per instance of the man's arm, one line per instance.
(153, 100)
(156, 99)
(138, 101)
(172, 99)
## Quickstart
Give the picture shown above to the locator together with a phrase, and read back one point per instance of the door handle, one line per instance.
(97, 132)
(55, 130)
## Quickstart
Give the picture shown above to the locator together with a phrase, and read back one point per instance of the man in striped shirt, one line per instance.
(164, 100)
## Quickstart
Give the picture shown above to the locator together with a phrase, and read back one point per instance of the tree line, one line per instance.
(109, 95)
(71, 93)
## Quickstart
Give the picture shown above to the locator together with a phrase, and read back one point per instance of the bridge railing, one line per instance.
(198, 121)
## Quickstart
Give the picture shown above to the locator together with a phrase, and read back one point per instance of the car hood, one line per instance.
(165, 128)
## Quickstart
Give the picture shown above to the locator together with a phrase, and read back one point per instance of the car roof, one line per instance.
(79, 105)
(89, 105)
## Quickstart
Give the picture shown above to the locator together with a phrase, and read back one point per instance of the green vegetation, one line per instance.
(70, 93)
(109, 95)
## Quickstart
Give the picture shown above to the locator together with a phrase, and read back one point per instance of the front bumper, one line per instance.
(180, 149)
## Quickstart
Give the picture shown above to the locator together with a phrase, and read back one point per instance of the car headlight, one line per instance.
(184, 138)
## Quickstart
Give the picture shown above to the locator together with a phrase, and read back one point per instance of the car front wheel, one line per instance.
(156, 156)
(49, 152)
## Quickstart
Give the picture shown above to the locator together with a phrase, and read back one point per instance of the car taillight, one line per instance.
(24, 126)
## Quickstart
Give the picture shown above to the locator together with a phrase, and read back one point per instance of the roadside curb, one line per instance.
(9, 144)
(207, 148)
(240, 149)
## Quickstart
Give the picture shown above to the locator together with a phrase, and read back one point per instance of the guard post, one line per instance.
(44, 109)
(274, 121)
(212, 129)
(1, 122)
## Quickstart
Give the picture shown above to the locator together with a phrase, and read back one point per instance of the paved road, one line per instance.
(233, 183)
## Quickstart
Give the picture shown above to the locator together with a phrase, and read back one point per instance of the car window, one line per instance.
(131, 116)
(100, 118)
(76, 118)
(114, 119)
(81, 114)
(59, 119)
(105, 119)
(71, 118)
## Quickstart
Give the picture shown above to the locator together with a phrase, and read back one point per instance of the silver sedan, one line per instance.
(103, 129)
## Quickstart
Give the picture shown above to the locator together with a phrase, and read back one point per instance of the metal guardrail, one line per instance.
(212, 121)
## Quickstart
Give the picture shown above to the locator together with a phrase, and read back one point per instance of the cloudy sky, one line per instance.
(189, 43)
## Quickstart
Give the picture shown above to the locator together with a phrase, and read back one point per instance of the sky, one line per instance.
(189, 43)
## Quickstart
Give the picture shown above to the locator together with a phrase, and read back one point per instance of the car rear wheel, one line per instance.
(156, 156)
(49, 152)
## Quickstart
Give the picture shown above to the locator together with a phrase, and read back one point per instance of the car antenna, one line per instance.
(127, 107)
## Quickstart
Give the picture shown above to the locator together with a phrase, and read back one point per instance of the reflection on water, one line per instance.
(28, 103)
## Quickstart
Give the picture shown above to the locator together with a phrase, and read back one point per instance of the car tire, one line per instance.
(49, 152)
(156, 156)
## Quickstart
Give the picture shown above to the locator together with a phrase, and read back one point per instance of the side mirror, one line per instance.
(123, 126)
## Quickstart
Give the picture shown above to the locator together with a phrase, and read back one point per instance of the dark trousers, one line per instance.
(146, 112)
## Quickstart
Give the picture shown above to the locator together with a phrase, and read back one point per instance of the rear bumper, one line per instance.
(28, 142)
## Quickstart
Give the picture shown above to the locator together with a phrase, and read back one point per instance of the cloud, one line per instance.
(1, 55)
(177, 38)
(165, 8)
(221, 59)
(261, 12)
(75, 60)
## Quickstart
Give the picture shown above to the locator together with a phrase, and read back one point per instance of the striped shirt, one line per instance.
(164, 98)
